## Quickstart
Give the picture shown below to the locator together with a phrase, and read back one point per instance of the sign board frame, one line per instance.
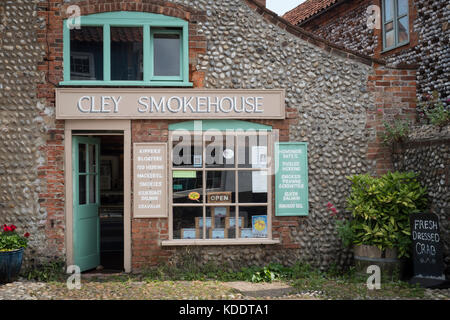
(427, 250)
(161, 212)
(280, 194)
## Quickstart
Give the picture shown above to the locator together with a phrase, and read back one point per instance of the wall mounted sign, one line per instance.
(427, 249)
(291, 179)
(128, 103)
(150, 180)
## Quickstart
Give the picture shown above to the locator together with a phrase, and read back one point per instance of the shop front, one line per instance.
(208, 175)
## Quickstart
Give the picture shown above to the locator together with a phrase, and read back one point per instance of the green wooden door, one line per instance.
(86, 201)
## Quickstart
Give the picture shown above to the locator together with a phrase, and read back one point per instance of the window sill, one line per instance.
(218, 242)
(127, 83)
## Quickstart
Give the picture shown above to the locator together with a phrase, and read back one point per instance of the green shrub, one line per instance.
(397, 131)
(381, 207)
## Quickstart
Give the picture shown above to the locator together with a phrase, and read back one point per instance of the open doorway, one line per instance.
(111, 210)
(99, 201)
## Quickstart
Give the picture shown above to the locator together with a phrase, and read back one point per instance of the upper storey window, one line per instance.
(395, 23)
(127, 48)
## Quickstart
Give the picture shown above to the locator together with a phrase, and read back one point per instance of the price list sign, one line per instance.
(291, 179)
(150, 180)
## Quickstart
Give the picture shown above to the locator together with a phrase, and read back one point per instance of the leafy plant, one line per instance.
(10, 240)
(381, 207)
(433, 110)
(397, 131)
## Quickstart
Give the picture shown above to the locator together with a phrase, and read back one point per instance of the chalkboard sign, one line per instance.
(426, 247)
(291, 179)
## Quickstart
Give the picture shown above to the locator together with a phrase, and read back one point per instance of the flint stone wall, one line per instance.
(428, 153)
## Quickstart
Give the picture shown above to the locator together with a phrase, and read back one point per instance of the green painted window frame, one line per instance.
(150, 22)
(394, 20)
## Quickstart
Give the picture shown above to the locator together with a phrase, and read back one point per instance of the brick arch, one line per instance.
(150, 6)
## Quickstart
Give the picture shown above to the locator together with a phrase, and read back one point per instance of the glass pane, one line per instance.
(82, 189)
(403, 29)
(388, 10)
(184, 219)
(86, 53)
(402, 7)
(166, 54)
(390, 39)
(220, 151)
(92, 188)
(187, 186)
(252, 150)
(187, 150)
(389, 26)
(220, 222)
(221, 186)
(126, 53)
(255, 223)
(92, 159)
(252, 186)
(81, 158)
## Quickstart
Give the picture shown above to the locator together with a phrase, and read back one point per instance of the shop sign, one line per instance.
(150, 180)
(120, 103)
(291, 179)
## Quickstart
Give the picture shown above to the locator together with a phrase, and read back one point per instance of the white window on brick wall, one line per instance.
(395, 23)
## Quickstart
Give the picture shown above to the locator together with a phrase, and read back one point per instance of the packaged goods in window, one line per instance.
(246, 233)
(218, 233)
(230, 222)
(199, 222)
(189, 233)
(221, 212)
(259, 226)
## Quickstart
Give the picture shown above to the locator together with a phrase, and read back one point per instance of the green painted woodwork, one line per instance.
(291, 179)
(220, 125)
(395, 18)
(86, 224)
(149, 22)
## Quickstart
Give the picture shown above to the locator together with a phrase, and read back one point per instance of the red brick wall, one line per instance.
(395, 98)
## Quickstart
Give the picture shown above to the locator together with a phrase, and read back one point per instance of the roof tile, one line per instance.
(306, 10)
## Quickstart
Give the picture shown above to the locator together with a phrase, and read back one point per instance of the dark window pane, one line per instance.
(81, 158)
(403, 29)
(184, 222)
(86, 53)
(388, 10)
(82, 189)
(166, 54)
(252, 150)
(92, 188)
(126, 53)
(220, 151)
(402, 7)
(222, 182)
(187, 186)
(187, 150)
(252, 186)
(255, 223)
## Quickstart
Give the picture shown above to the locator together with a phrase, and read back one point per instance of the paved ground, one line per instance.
(118, 288)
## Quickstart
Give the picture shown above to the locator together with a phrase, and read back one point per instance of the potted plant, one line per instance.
(11, 251)
(378, 229)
